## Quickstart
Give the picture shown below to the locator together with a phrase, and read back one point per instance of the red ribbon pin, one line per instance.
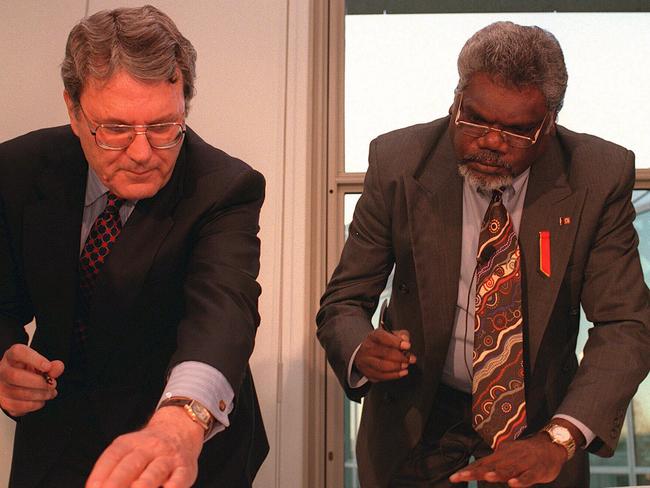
(545, 252)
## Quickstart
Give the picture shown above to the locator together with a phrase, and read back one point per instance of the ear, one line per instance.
(550, 128)
(73, 113)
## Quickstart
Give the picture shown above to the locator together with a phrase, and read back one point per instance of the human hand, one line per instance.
(164, 453)
(384, 355)
(519, 463)
(23, 387)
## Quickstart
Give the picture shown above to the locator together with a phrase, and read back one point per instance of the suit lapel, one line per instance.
(434, 200)
(548, 198)
(120, 281)
(51, 229)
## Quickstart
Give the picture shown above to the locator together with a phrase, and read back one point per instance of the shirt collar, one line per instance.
(95, 189)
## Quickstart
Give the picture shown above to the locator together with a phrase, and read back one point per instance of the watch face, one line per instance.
(200, 412)
(560, 433)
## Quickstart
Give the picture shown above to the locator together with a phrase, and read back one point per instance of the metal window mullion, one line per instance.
(630, 445)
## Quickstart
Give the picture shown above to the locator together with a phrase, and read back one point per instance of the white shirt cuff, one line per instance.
(355, 379)
(205, 384)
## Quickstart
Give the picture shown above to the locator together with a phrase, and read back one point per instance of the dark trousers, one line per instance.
(449, 441)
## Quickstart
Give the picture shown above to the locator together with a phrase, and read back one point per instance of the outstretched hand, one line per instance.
(519, 463)
(164, 453)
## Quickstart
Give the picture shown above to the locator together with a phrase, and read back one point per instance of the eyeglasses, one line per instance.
(511, 138)
(116, 137)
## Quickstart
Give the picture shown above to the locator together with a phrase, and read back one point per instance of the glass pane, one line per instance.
(641, 403)
(390, 84)
(608, 480)
(643, 479)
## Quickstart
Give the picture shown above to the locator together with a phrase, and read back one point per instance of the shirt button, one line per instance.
(222, 405)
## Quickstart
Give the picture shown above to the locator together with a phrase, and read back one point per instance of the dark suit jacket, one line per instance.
(410, 215)
(179, 284)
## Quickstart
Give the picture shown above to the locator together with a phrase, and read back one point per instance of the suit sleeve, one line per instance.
(220, 289)
(353, 292)
(15, 307)
(616, 299)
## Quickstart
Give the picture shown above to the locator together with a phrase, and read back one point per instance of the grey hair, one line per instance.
(143, 41)
(516, 55)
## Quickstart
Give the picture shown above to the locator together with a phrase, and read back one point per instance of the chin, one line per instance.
(483, 181)
(137, 191)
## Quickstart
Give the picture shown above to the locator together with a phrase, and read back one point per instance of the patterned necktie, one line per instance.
(102, 235)
(498, 395)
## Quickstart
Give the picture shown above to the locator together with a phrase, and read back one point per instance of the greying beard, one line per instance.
(483, 182)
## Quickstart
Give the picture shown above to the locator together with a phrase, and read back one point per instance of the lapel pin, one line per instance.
(565, 220)
(545, 252)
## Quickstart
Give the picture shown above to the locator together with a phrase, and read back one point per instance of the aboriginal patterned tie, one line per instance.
(102, 235)
(498, 395)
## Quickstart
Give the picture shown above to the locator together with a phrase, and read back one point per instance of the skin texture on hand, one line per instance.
(384, 355)
(23, 388)
(521, 463)
(164, 453)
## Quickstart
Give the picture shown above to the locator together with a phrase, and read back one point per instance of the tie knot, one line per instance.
(113, 203)
(497, 195)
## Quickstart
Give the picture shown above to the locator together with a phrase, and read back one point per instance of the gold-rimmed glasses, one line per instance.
(510, 137)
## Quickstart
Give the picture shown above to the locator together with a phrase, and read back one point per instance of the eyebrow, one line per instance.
(167, 118)
(467, 107)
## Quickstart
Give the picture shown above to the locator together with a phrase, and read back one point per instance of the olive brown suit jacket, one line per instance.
(410, 216)
(179, 284)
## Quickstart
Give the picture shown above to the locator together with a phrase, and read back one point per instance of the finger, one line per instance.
(182, 477)
(128, 469)
(18, 408)
(379, 352)
(387, 339)
(107, 462)
(155, 474)
(382, 365)
(20, 355)
(403, 334)
(524, 479)
(11, 392)
(56, 369)
(24, 378)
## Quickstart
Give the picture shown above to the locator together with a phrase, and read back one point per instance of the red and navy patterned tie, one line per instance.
(498, 394)
(98, 245)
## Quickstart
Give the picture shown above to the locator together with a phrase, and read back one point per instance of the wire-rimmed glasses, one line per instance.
(116, 137)
(509, 137)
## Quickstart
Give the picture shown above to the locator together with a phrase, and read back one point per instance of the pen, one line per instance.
(382, 311)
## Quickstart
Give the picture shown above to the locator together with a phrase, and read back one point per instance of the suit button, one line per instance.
(388, 398)
(573, 311)
(403, 288)
(566, 368)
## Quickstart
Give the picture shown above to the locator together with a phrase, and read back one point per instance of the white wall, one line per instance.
(252, 101)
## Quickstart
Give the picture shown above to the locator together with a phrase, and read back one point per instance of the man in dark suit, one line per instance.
(139, 362)
(500, 224)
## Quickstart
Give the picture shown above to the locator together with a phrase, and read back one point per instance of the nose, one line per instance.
(493, 141)
(139, 150)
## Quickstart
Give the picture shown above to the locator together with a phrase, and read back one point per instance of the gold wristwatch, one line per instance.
(562, 436)
(194, 409)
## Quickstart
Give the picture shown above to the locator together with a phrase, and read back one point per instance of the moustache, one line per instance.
(486, 158)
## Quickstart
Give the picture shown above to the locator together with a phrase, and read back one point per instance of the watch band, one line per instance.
(561, 436)
(193, 408)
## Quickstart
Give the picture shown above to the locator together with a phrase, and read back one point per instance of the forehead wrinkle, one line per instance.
(493, 116)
